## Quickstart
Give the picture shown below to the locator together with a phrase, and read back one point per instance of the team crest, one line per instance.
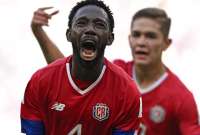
(100, 111)
(157, 114)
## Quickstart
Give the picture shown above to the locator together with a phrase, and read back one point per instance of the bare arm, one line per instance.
(49, 49)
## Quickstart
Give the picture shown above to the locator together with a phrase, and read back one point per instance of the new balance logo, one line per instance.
(58, 106)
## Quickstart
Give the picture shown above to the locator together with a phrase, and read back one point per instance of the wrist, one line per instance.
(36, 28)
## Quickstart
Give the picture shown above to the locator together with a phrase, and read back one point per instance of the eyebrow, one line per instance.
(104, 21)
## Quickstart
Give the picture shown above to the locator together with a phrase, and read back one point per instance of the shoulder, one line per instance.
(50, 70)
(183, 96)
(126, 66)
(122, 63)
(44, 79)
(119, 61)
(178, 86)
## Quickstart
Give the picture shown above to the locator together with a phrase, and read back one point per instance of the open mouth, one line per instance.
(141, 53)
(88, 50)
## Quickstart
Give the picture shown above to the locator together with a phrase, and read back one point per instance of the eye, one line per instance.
(135, 34)
(151, 35)
(81, 23)
(100, 25)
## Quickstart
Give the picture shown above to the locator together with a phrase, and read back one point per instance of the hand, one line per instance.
(41, 18)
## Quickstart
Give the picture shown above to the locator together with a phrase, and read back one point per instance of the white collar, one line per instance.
(150, 87)
(82, 92)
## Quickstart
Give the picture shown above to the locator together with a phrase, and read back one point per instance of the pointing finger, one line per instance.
(45, 8)
(54, 13)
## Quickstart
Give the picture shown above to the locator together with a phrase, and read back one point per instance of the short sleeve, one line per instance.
(31, 118)
(188, 117)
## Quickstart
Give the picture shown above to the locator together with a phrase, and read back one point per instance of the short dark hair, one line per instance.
(97, 3)
(155, 13)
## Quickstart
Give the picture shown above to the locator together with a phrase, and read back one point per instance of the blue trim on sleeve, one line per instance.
(31, 127)
(120, 132)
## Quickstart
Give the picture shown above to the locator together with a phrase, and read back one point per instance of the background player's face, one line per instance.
(147, 42)
(90, 33)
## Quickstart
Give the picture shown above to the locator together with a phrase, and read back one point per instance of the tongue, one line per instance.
(87, 51)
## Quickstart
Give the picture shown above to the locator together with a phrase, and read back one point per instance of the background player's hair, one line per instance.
(98, 3)
(155, 13)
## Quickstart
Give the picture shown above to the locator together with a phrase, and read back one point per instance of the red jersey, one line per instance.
(168, 106)
(52, 100)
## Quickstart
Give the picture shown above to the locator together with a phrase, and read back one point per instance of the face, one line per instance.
(147, 42)
(90, 33)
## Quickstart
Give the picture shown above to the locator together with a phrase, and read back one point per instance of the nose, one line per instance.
(141, 41)
(90, 30)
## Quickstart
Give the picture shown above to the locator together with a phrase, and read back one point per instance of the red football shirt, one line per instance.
(168, 106)
(52, 98)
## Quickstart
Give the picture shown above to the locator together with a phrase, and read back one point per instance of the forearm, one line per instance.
(49, 49)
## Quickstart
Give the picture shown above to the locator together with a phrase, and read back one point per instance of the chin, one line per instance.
(141, 63)
(88, 63)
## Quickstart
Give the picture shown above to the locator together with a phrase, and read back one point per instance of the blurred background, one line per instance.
(20, 55)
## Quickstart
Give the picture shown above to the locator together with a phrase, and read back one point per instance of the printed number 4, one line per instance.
(76, 130)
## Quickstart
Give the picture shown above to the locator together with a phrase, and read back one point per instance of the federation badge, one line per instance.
(100, 111)
(157, 114)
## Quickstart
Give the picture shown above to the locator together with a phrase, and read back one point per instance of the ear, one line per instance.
(110, 38)
(129, 39)
(68, 35)
(168, 42)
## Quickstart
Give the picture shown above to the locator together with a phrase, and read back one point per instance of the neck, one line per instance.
(86, 71)
(145, 76)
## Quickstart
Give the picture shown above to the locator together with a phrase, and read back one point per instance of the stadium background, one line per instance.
(20, 55)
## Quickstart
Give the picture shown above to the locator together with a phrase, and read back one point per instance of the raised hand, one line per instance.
(41, 18)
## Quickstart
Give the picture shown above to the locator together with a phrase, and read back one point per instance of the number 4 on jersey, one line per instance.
(76, 130)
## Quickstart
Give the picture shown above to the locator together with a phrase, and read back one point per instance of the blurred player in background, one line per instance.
(84, 93)
(168, 106)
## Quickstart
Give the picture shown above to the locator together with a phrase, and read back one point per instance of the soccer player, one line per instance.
(84, 93)
(168, 106)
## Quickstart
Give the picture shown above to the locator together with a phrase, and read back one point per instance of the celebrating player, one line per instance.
(84, 93)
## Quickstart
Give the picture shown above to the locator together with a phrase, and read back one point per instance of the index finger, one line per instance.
(45, 8)
(54, 13)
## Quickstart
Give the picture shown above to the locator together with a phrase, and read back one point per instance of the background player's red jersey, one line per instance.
(52, 99)
(168, 106)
